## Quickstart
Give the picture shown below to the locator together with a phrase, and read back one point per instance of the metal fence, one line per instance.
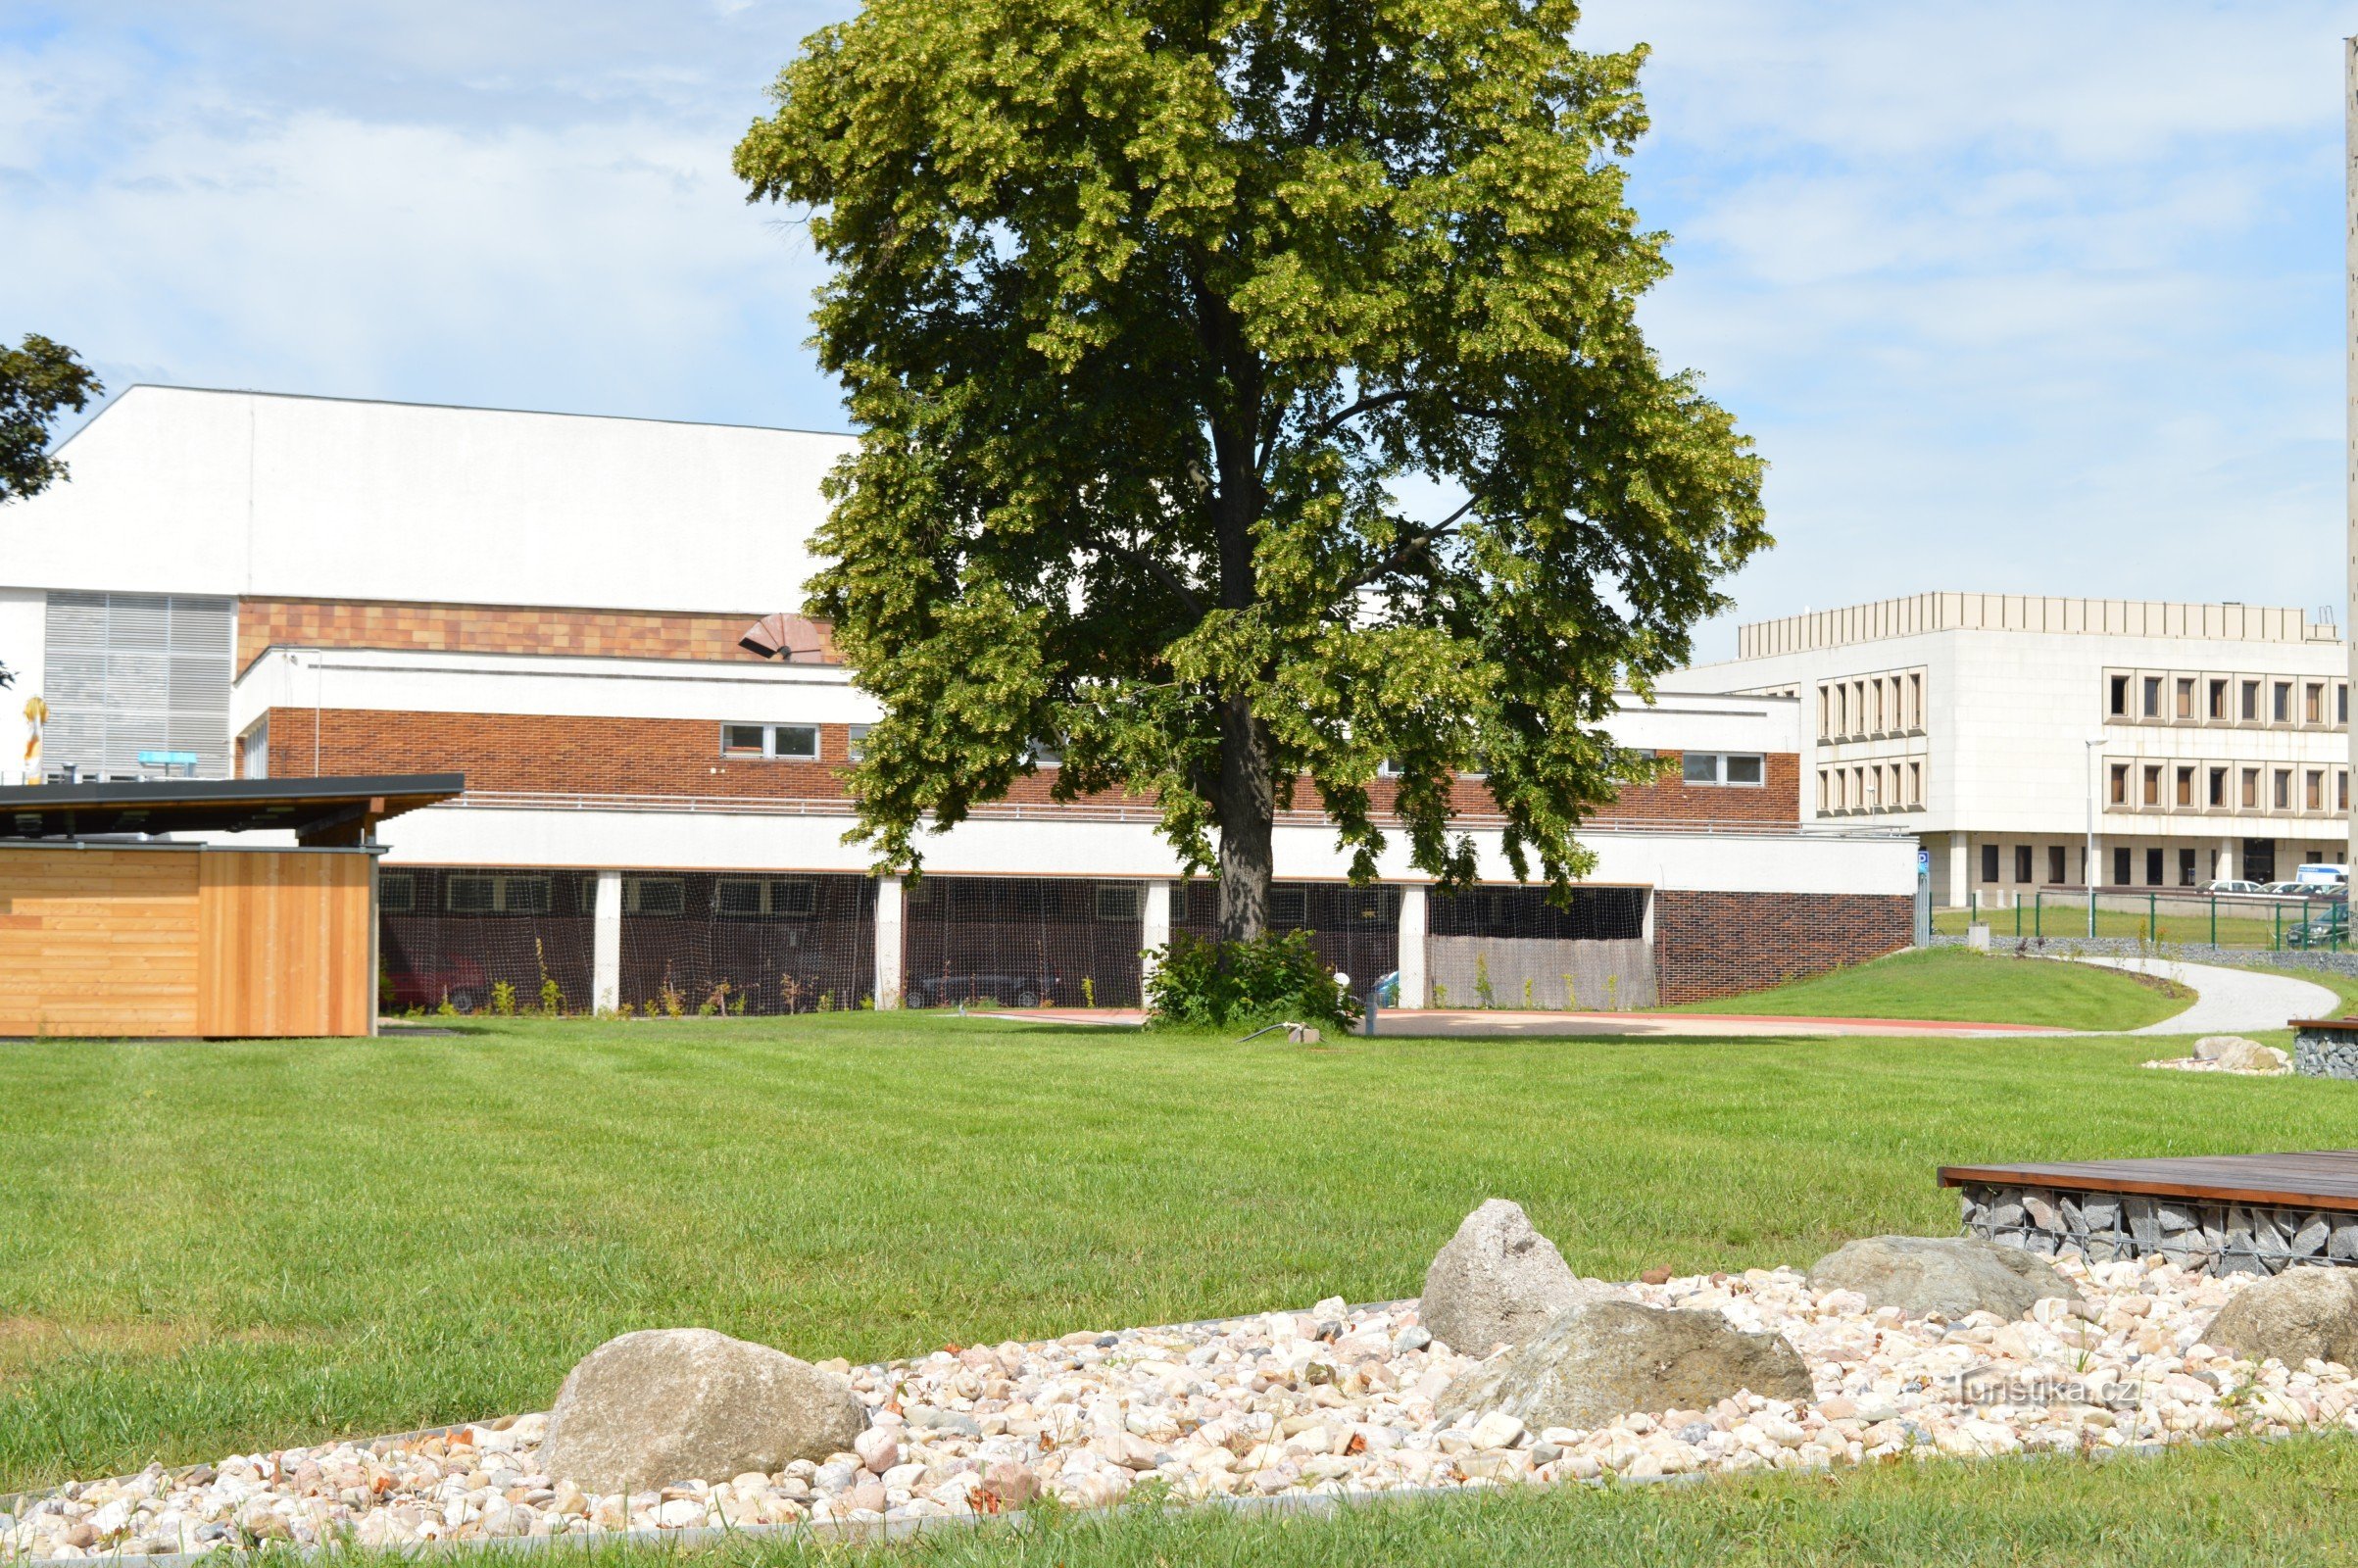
(477, 939)
(2267, 921)
(1023, 942)
(752, 942)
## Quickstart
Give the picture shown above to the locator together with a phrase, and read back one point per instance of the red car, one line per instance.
(461, 981)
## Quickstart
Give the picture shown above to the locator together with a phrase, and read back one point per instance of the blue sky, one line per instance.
(2029, 298)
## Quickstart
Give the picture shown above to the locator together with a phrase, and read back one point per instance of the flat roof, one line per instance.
(316, 810)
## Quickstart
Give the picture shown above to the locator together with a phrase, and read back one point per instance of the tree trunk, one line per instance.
(1247, 804)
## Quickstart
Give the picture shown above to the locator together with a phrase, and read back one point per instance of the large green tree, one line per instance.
(38, 380)
(1249, 393)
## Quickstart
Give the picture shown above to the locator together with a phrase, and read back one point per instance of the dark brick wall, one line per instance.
(491, 628)
(1710, 945)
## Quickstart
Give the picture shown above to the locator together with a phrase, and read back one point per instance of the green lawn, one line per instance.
(1957, 983)
(2224, 1506)
(2062, 921)
(215, 1246)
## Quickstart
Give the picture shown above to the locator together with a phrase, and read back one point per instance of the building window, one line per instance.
(1916, 702)
(755, 898)
(2153, 697)
(2218, 699)
(2185, 786)
(485, 893)
(2281, 710)
(1120, 900)
(2342, 789)
(1916, 784)
(2120, 783)
(2185, 868)
(2342, 702)
(2022, 862)
(2313, 703)
(2251, 789)
(2152, 795)
(2056, 863)
(2251, 702)
(1721, 767)
(2314, 790)
(856, 741)
(1879, 707)
(396, 893)
(2119, 868)
(2120, 697)
(1990, 863)
(2218, 786)
(654, 894)
(2153, 868)
(1823, 794)
(2186, 697)
(2284, 788)
(794, 743)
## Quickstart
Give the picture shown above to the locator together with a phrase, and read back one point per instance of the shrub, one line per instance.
(1225, 985)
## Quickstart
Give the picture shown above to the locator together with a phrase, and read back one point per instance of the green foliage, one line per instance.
(1226, 985)
(503, 997)
(1485, 995)
(1150, 315)
(38, 379)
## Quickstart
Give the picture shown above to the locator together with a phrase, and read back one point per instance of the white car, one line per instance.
(2232, 886)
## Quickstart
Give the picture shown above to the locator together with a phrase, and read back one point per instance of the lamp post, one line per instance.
(2088, 871)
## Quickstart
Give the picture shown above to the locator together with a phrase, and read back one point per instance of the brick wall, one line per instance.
(488, 629)
(1709, 945)
(588, 756)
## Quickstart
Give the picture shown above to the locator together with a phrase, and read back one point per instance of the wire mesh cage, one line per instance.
(474, 938)
(1515, 947)
(1023, 942)
(1354, 930)
(1591, 914)
(751, 942)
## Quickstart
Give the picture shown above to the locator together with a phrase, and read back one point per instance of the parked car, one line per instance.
(2330, 930)
(2292, 890)
(2231, 885)
(460, 981)
(994, 990)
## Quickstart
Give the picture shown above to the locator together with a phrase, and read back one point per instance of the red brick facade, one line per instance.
(1710, 945)
(558, 754)
(263, 624)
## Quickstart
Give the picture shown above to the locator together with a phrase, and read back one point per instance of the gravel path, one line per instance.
(1329, 1402)
(2230, 1001)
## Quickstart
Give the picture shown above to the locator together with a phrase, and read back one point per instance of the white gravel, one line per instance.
(1328, 1401)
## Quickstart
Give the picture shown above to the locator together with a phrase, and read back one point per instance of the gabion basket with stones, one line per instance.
(2225, 1238)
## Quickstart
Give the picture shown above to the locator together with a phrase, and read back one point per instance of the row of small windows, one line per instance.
(784, 743)
(1747, 768)
(2157, 865)
(733, 898)
(1871, 787)
(2216, 788)
(2227, 698)
(1871, 704)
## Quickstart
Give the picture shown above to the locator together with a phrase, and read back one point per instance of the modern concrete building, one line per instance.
(2210, 741)
(558, 608)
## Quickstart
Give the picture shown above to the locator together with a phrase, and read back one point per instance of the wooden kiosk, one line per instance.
(120, 914)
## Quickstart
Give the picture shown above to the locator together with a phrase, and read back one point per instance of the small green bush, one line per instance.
(1224, 985)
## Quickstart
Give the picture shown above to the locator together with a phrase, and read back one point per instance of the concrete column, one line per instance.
(1416, 982)
(606, 944)
(889, 968)
(1156, 932)
(1960, 869)
(2223, 862)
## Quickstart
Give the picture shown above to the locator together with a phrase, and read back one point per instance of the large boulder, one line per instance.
(2249, 1055)
(2210, 1048)
(666, 1405)
(1606, 1359)
(1948, 1275)
(1498, 1282)
(2299, 1315)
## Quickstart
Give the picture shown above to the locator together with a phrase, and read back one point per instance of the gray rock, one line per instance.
(2210, 1048)
(1606, 1359)
(1951, 1276)
(1498, 1282)
(2249, 1055)
(666, 1405)
(2300, 1314)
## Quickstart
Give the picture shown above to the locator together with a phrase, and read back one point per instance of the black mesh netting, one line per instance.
(756, 943)
(1062, 942)
(1355, 930)
(1595, 914)
(460, 935)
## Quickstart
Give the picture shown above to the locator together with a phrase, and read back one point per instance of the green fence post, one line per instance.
(2039, 914)
(2153, 918)
(2214, 919)
(2276, 917)
(2018, 918)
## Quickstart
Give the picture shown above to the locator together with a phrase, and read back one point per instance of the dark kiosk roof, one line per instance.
(319, 812)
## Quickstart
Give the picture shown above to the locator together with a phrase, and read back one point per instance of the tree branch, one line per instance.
(1158, 570)
(1405, 551)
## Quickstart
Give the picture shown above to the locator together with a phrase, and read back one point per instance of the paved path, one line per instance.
(2230, 1001)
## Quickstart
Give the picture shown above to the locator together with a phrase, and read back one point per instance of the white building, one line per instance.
(2211, 740)
(554, 605)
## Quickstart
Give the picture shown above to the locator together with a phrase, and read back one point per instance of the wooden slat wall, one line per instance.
(99, 941)
(285, 944)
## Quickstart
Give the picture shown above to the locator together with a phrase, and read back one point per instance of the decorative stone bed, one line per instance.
(2193, 1233)
(1330, 1402)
